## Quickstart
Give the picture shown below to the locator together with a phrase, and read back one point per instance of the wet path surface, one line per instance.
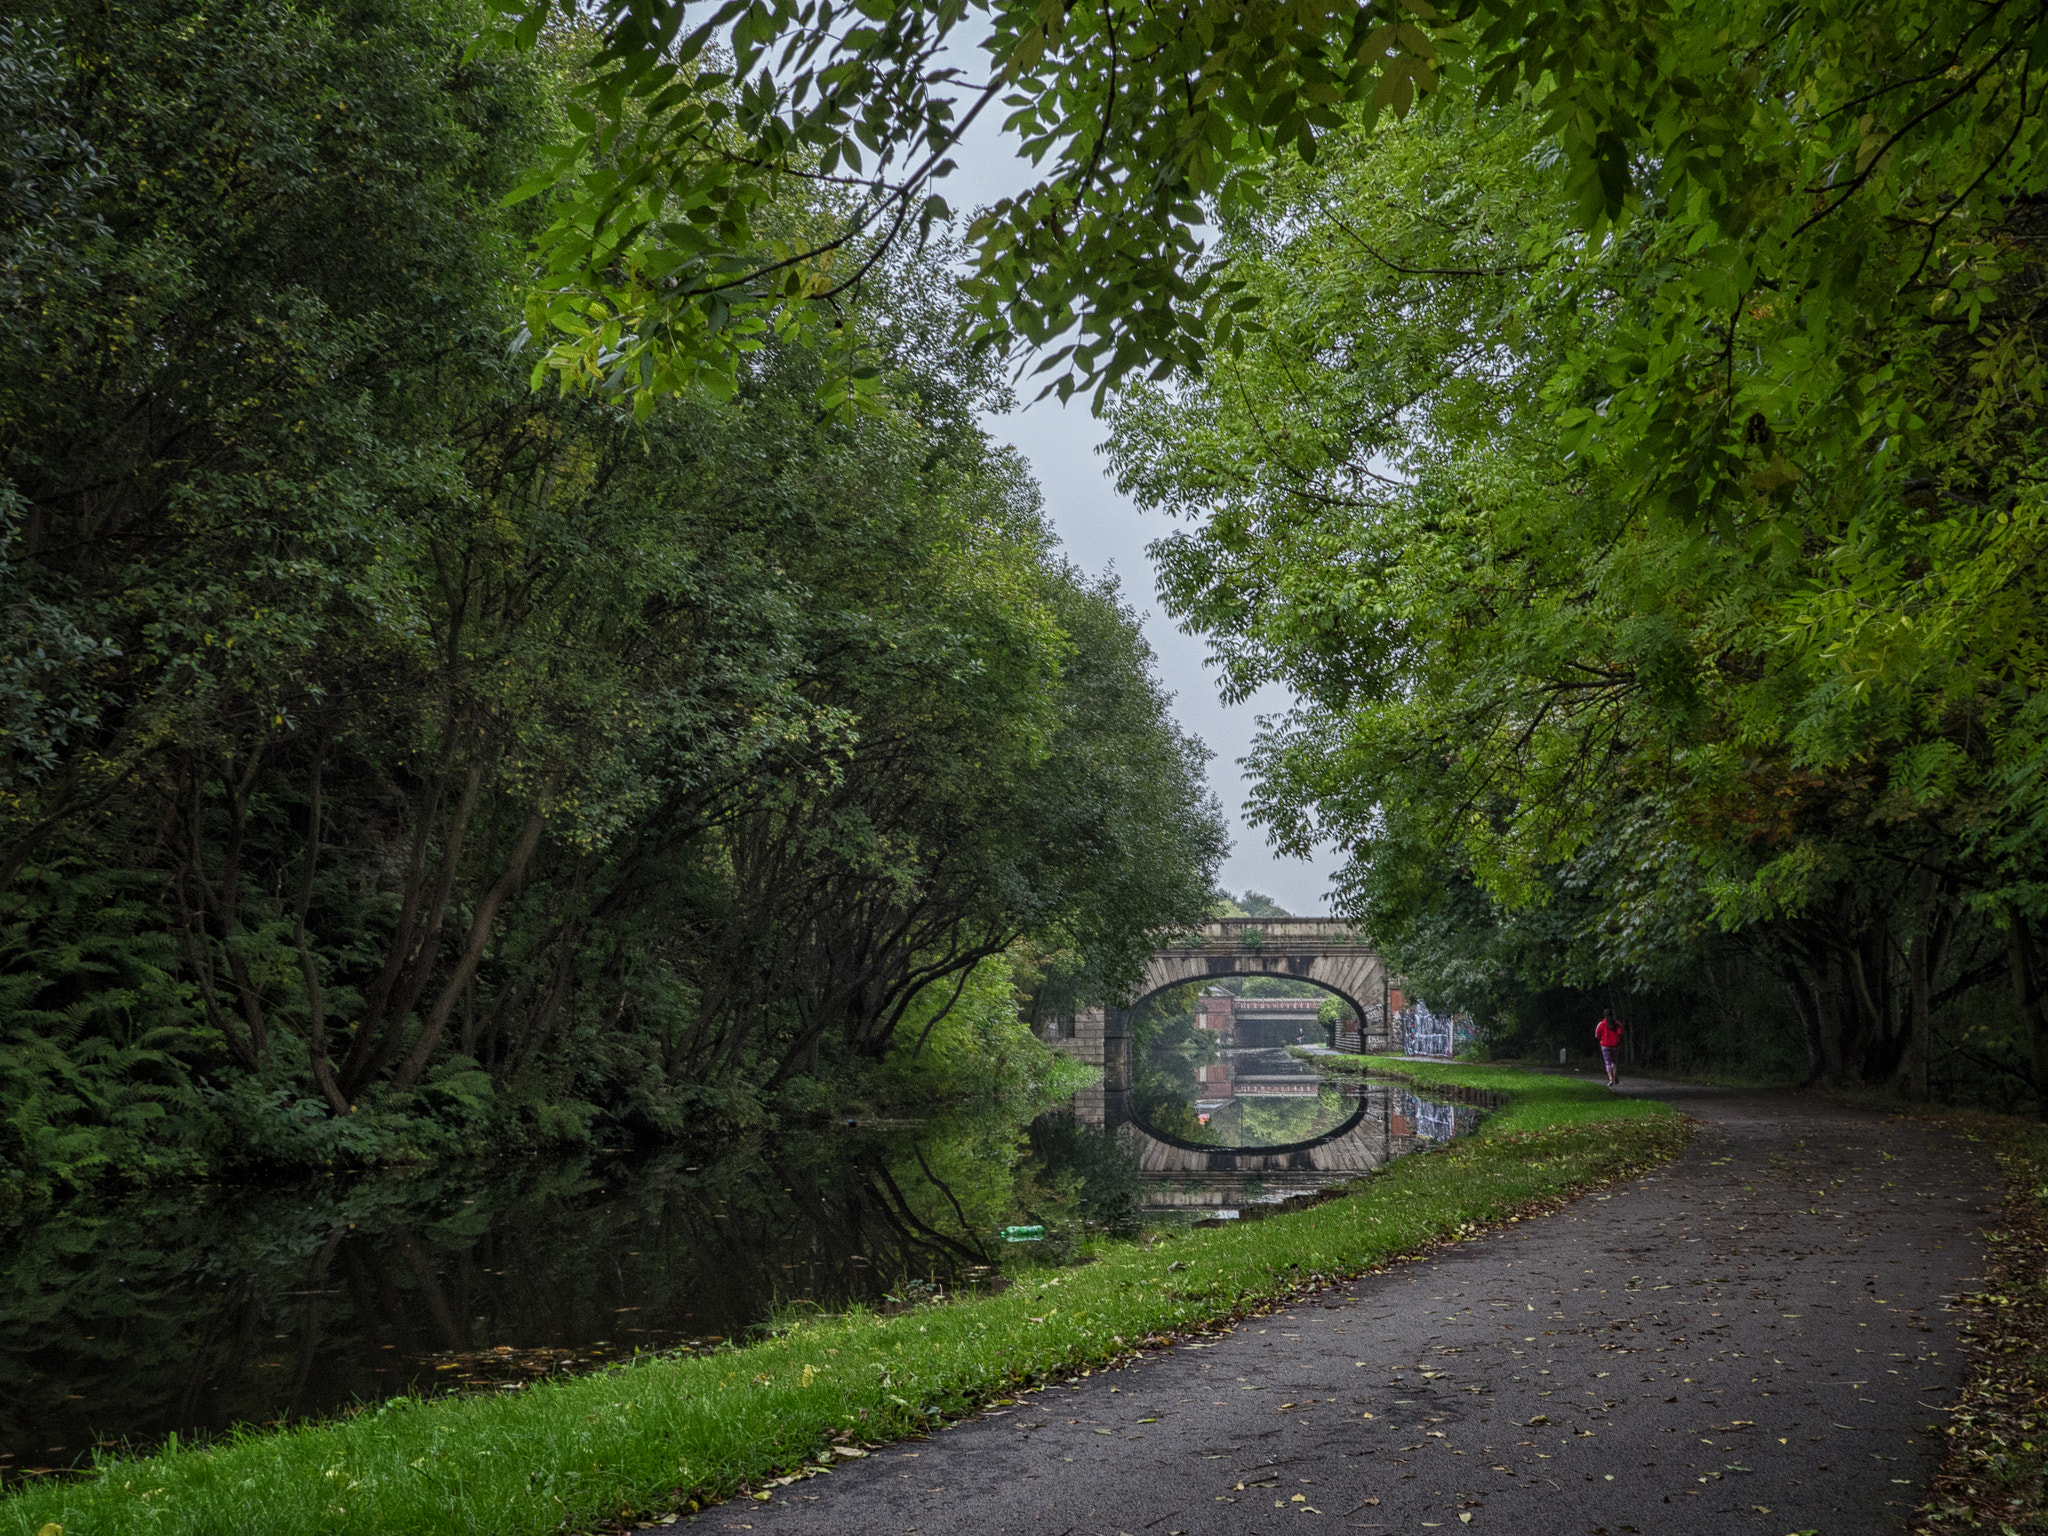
(1756, 1338)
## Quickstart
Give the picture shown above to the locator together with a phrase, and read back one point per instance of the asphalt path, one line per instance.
(1755, 1338)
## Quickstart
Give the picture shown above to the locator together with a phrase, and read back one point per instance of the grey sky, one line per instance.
(1102, 529)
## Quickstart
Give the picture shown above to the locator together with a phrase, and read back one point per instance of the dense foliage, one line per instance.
(1772, 139)
(1665, 605)
(1621, 426)
(398, 760)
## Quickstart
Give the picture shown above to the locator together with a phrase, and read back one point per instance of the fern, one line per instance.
(99, 1035)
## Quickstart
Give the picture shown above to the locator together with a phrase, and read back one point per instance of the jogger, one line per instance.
(1608, 1033)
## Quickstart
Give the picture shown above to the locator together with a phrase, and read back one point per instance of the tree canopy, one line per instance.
(1646, 502)
(1653, 592)
(733, 170)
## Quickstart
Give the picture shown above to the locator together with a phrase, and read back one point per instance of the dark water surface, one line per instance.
(200, 1309)
(196, 1310)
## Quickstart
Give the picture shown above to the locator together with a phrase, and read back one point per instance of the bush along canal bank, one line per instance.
(667, 1435)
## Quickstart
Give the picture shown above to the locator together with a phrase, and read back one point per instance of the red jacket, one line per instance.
(1607, 1032)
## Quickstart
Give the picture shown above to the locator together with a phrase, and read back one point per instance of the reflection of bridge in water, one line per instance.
(1329, 954)
(1253, 1072)
(1389, 1121)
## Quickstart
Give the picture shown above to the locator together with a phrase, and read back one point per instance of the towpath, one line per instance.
(1755, 1338)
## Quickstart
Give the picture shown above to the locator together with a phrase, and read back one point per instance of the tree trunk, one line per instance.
(1916, 1044)
(415, 893)
(1921, 960)
(1868, 1005)
(202, 972)
(2024, 949)
(412, 954)
(227, 907)
(316, 997)
(422, 1051)
(1809, 1023)
(1827, 1012)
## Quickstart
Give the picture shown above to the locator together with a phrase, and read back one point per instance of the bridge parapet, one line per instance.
(1237, 932)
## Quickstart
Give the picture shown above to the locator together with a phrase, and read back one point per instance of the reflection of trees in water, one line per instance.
(1169, 1048)
(1083, 1171)
(1168, 1051)
(1277, 1121)
(198, 1311)
(1169, 1112)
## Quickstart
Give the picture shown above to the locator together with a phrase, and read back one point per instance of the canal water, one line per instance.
(203, 1308)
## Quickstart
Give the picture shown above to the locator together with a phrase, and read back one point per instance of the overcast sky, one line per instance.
(1103, 530)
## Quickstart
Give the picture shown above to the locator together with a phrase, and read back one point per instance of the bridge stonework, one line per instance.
(1322, 950)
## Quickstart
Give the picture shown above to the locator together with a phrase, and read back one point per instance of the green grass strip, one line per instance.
(576, 1454)
(1536, 1100)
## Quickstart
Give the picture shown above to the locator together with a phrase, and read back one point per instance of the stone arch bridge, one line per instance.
(1329, 953)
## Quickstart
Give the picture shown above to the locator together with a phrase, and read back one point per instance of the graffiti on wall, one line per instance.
(1425, 1032)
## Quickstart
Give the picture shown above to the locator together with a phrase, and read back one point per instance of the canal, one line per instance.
(199, 1309)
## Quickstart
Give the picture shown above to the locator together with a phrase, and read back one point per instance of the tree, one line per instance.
(1533, 678)
(403, 761)
(1778, 266)
(1251, 904)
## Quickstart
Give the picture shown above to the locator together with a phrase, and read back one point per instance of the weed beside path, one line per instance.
(672, 1434)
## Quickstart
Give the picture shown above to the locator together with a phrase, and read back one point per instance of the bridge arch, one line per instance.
(1331, 954)
(1328, 953)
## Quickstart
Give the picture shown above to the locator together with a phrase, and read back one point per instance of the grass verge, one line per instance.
(667, 1435)
(1589, 1062)
(1536, 1100)
(1407, 1066)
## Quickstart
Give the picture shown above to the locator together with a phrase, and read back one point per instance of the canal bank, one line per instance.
(1752, 1337)
(651, 1438)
